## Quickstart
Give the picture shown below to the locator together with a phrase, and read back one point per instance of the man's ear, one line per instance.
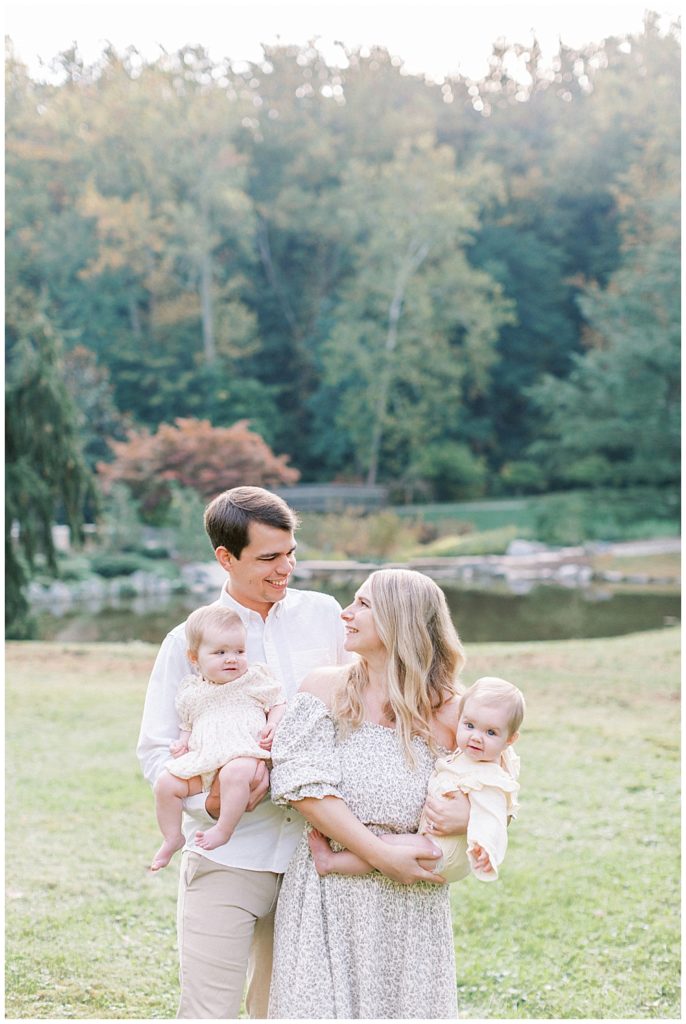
(224, 557)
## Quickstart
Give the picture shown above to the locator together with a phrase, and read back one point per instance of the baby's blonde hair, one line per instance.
(492, 690)
(209, 615)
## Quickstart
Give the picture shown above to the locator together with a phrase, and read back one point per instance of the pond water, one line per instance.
(546, 612)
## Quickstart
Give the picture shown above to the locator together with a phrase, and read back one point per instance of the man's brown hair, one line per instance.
(228, 516)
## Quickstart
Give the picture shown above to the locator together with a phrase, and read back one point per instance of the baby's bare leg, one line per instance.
(169, 796)
(234, 791)
(327, 862)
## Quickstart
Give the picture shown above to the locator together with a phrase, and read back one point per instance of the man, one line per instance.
(227, 896)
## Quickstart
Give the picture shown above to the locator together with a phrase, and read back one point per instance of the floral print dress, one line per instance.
(357, 946)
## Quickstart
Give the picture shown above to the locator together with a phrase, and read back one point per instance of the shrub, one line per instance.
(355, 535)
(605, 514)
(490, 542)
(121, 528)
(450, 470)
(185, 521)
(73, 568)
(192, 454)
(522, 478)
(111, 564)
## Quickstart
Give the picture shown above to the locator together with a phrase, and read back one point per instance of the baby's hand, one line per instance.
(177, 748)
(267, 737)
(482, 862)
(273, 718)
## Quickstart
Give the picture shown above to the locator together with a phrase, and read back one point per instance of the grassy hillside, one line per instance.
(583, 923)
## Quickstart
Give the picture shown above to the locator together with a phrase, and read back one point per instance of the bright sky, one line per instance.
(436, 37)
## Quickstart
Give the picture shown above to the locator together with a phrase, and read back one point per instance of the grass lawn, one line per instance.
(583, 923)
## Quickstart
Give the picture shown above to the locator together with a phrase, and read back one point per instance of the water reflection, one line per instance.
(544, 612)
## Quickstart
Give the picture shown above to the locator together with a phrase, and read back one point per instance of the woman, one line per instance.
(353, 754)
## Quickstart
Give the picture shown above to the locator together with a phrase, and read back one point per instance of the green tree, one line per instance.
(616, 418)
(415, 321)
(563, 135)
(45, 475)
(328, 251)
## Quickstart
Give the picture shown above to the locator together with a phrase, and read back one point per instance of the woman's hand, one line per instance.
(401, 863)
(447, 815)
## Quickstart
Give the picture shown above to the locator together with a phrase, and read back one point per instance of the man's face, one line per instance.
(258, 579)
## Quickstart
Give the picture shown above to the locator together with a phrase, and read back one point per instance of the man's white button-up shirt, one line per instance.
(302, 632)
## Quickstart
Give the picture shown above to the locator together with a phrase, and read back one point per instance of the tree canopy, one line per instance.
(385, 278)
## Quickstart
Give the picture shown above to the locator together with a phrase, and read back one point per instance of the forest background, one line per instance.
(458, 290)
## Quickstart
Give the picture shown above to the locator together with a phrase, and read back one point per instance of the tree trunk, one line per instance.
(270, 270)
(415, 257)
(208, 339)
(135, 319)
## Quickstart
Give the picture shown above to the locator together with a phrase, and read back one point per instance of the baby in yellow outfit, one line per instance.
(485, 767)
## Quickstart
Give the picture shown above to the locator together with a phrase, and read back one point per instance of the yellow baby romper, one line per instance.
(492, 790)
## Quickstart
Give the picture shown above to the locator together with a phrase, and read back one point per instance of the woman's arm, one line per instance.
(334, 818)
(449, 814)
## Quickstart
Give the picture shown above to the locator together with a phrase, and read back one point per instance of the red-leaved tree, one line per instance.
(194, 454)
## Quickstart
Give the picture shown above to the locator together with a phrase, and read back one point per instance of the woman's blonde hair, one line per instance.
(425, 656)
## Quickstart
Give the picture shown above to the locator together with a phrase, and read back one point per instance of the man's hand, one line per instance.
(258, 786)
(258, 789)
(447, 815)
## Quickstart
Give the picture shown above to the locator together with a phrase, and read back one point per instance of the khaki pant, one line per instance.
(225, 927)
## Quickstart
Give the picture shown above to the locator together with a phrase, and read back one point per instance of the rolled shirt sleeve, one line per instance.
(160, 722)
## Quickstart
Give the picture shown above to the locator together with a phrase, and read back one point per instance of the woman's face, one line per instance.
(360, 630)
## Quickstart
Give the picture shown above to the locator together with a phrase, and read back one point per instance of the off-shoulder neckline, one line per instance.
(368, 722)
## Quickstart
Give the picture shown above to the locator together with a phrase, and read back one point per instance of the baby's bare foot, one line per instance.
(166, 852)
(322, 854)
(213, 838)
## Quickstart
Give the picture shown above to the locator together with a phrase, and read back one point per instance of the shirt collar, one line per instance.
(246, 614)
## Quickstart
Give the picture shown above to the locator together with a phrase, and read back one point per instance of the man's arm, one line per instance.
(160, 723)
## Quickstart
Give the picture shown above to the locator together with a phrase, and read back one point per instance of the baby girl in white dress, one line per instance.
(228, 713)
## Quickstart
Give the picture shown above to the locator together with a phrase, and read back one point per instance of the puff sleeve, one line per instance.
(265, 688)
(305, 760)
(490, 798)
